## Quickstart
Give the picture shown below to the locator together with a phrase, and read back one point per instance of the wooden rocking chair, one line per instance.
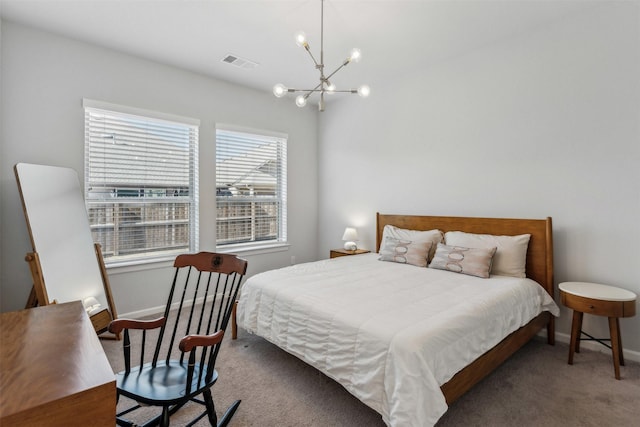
(205, 287)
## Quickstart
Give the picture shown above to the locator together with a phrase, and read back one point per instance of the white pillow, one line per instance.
(510, 258)
(433, 236)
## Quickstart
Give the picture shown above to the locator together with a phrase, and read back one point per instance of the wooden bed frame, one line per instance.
(539, 268)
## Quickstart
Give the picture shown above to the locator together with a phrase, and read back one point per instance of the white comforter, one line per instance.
(390, 333)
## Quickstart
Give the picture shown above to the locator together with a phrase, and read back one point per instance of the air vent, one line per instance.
(239, 62)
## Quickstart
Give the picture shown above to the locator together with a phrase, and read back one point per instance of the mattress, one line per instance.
(390, 333)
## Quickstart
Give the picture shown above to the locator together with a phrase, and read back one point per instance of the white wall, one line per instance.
(546, 124)
(45, 77)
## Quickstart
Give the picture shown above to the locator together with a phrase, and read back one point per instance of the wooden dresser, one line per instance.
(53, 370)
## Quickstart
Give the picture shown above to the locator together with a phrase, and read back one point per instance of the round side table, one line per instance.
(601, 300)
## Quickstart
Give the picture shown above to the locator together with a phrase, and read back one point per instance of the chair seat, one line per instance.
(164, 384)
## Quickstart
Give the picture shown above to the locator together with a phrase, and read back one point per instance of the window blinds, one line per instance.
(251, 188)
(141, 182)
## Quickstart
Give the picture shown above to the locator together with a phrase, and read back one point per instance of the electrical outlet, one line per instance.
(293, 259)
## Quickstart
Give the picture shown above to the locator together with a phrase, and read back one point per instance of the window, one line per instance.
(141, 182)
(251, 188)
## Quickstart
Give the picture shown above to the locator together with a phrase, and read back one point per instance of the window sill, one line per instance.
(132, 266)
(254, 249)
(164, 262)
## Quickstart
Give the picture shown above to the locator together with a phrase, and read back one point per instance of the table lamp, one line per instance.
(350, 236)
(91, 305)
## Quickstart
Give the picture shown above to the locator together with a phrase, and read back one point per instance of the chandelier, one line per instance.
(325, 85)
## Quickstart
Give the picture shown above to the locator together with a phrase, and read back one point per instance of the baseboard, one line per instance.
(158, 310)
(147, 312)
(594, 346)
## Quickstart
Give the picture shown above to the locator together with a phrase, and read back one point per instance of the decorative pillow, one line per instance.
(433, 236)
(405, 251)
(471, 261)
(511, 255)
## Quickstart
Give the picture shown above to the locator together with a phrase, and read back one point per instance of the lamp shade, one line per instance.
(350, 233)
(350, 236)
(91, 304)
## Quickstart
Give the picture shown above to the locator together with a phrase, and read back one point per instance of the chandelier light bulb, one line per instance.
(301, 101)
(364, 91)
(301, 39)
(331, 87)
(279, 90)
(355, 55)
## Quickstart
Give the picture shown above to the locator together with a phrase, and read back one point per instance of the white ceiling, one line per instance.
(394, 36)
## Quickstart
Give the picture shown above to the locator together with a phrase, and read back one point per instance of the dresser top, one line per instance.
(49, 353)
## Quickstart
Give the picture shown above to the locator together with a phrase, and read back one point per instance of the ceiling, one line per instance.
(394, 36)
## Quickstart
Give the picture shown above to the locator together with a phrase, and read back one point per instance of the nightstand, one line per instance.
(335, 253)
(601, 300)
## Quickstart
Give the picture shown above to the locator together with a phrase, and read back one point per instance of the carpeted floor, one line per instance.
(535, 387)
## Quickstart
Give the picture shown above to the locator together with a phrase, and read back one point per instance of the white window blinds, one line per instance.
(251, 187)
(141, 182)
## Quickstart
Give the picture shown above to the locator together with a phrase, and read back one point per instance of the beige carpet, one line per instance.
(535, 387)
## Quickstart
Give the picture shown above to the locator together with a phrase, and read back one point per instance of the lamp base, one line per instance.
(350, 246)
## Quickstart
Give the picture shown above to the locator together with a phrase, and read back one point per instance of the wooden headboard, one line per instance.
(539, 253)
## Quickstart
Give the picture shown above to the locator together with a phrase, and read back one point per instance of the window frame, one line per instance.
(281, 241)
(151, 198)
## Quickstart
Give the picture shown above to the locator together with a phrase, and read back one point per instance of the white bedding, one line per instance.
(390, 333)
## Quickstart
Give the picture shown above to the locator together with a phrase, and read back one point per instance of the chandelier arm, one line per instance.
(318, 88)
(311, 90)
(319, 65)
(312, 57)
(344, 64)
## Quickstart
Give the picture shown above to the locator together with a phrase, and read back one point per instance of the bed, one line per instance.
(408, 340)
